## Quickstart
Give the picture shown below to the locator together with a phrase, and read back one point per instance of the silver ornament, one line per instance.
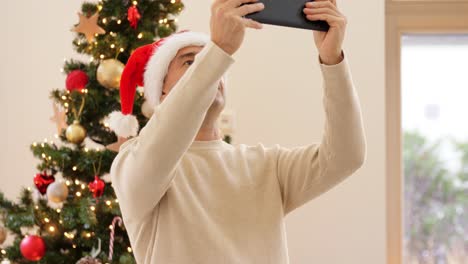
(57, 192)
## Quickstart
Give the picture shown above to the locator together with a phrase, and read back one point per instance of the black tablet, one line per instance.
(288, 13)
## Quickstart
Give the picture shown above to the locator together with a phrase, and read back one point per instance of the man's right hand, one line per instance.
(227, 23)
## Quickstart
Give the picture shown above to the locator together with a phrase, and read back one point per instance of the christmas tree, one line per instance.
(71, 214)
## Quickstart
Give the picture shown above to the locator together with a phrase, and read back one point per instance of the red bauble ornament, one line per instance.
(97, 187)
(33, 248)
(133, 16)
(76, 80)
(42, 180)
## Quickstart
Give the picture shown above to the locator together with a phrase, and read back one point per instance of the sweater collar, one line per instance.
(207, 144)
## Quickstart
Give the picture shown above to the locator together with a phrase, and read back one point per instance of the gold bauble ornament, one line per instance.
(109, 72)
(57, 192)
(3, 235)
(75, 133)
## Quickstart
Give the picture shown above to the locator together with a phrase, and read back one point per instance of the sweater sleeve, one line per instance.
(308, 171)
(144, 168)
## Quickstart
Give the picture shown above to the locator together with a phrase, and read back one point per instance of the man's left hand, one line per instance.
(329, 44)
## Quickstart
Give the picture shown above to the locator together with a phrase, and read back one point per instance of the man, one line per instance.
(187, 196)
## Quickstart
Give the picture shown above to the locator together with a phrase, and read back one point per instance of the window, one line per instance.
(434, 88)
(423, 28)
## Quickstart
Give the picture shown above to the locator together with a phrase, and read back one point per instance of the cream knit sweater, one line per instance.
(186, 201)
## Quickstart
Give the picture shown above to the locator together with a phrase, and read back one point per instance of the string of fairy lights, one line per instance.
(52, 227)
(118, 47)
(54, 224)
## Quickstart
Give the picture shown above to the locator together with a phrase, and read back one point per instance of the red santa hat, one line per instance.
(147, 67)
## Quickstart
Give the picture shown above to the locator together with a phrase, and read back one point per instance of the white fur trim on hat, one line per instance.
(157, 66)
(123, 125)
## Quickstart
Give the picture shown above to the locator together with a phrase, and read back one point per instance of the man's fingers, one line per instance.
(330, 19)
(248, 9)
(217, 3)
(250, 23)
(231, 4)
(332, 1)
(321, 10)
(322, 3)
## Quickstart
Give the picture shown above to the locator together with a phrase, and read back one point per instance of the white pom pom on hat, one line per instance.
(147, 67)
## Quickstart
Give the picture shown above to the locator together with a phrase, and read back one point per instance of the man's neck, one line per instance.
(205, 134)
(209, 130)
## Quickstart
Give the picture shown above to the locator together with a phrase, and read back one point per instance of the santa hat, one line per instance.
(147, 67)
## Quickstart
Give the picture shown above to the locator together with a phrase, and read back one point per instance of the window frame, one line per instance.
(401, 17)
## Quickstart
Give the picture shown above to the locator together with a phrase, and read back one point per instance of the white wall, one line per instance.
(35, 39)
(274, 88)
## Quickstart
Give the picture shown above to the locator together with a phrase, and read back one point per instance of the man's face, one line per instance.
(179, 65)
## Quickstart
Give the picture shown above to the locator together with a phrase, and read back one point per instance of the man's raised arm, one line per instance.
(144, 168)
(306, 172)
